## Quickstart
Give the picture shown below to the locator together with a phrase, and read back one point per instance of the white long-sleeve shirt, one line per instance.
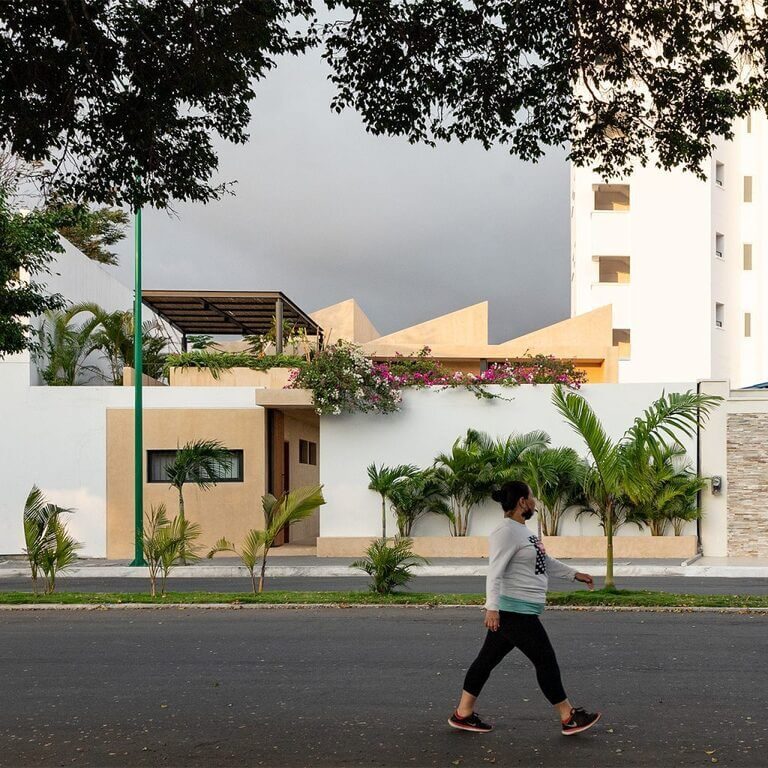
(518, 566)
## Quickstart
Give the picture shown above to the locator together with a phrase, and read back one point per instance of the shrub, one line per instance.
(389, 566)
(167, 543)
(343, 380)
(215, 362)
(48, 546)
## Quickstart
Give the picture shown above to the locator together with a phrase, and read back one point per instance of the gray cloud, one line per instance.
(324, 212)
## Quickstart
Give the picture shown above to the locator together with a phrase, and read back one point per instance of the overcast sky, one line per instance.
(325, 212)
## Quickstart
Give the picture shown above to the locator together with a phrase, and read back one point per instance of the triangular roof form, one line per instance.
(468, 326)
(592, 330)
(345, 320)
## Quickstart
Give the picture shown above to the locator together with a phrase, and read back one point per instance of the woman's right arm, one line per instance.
(500, 552)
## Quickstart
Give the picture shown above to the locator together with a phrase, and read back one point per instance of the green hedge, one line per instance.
(216, 362)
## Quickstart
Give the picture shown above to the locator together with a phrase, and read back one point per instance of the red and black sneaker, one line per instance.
(471, 723)
(579, 721)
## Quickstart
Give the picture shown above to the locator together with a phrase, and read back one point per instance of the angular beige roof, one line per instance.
(465, 327)
(345, 320)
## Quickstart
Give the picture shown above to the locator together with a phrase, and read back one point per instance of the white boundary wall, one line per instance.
(55, 437)
(430, 421)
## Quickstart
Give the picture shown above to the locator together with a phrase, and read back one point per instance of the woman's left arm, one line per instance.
(562, 571)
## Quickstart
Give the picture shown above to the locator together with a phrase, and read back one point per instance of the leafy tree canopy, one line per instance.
(93, 231)
(27, 245)
(122, 98)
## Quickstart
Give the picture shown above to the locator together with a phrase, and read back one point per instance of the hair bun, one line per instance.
(498, 495)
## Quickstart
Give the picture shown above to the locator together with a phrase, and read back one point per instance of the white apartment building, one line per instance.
(682, 262)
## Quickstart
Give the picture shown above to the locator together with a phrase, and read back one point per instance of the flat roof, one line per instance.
(226, 313)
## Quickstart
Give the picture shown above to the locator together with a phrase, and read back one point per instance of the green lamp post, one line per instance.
(138, 403)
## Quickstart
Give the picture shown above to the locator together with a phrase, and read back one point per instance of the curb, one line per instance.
(347, 606)
(342, 571)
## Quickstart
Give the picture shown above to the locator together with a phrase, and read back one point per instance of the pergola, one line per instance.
(229, 313)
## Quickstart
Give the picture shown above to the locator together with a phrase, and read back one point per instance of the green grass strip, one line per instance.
(618, 598)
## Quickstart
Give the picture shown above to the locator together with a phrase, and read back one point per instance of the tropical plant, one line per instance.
(39, 518)
(166, 543)
(278, 513)
(198, 341)
(382, 479)
(63, 347)
(389, 566)
(594, 501)
(216, 362)
(665, 490)
(414, 496)
(468, 474)
(199, 462)
(48, 545)
(508, 454)
(555, 476)
(670, 417)
(113, 336)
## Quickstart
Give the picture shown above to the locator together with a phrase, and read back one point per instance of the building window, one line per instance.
(747, 257)
(719, 245)
(720, 174)
(611, 197)
(747, 189)
(614, 269)
(719, 315)
(748, 324)
(228, 471)
(307, 452)
(622, 340)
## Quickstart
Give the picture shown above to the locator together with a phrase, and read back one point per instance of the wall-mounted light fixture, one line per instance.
(717, 484)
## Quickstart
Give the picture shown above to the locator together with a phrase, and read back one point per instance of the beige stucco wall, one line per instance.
(465, 326)
(228, 509)
(557, 546)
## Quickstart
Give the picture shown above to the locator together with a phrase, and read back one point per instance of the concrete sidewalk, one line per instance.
(306, 566)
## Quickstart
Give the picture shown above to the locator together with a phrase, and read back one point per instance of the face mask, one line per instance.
(528, 514)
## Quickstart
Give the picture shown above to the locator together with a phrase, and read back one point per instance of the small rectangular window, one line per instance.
(749, 123)
(228, 471)
(720, 315)
(622, 340)
(747, 189)
(720, 174)
(747, 324)
(747, 256)
(719, 245)
(614, 269)
(611, 197)
(307, 452)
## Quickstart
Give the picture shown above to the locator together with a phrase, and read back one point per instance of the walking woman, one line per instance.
(516, 589)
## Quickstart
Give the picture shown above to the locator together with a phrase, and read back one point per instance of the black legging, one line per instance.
(523, 631)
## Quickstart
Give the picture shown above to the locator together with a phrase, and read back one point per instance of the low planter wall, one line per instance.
(580, 547)
(274, 378)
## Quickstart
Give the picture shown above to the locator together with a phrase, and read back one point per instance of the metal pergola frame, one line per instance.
(229, 313)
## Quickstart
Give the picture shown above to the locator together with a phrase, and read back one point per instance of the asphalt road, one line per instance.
(472, 584)
(371, 687)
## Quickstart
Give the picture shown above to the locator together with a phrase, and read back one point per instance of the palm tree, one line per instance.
(668, 418)
(555, 476)
(665, 491)
(510, 453)
(468, 473)
(382, 480)
(199, 462)
(416, 496)
(62, 348)
(113, 335)
(48, 545)
(278, 512)
(389, 566)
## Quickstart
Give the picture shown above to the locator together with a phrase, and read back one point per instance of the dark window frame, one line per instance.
(237, 453)
(307, 451)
